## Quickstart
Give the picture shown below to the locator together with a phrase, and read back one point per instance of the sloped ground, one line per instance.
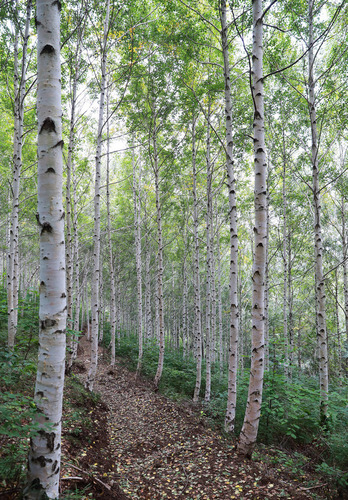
(145, 446)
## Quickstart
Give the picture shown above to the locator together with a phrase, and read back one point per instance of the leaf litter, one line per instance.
(144, 446)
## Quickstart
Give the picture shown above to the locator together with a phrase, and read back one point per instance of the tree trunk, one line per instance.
(45, 448)
(250, 426)
(208, 353)
(111, 257)
(285, 271)
(148, 287)
(339, 345)
(137, 243)
(233, 284)
(159, 263)
(118, 303)
(96, 235)
(197, 281)
(221, 361)
(267, 289)
(13, 255)
(78, 296)
(185, 338)
(318, 245)
(345, 271)
(71, 250)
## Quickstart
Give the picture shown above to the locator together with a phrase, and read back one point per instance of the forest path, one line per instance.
(158, 449)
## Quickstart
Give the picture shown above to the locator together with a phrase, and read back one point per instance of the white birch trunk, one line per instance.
(76, 325)
(233, 283)
(71, 251)
(118, 303)
(160, 265)
(148, 288)
(339, 345)
(101, 303)
(111, 257)
(185, 338)
(88, 318)
(221, 360)
(250, 426)
(137, 244)
(345, 271)
(266, 290)
(96, 235)
(208, 354)
(213, 299)
(285, 272)
(13, 258)
(318, 242)
(197, 280)
(45, 449)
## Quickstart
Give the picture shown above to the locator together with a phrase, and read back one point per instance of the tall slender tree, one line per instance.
(233, 283)
(248, 435)
(318, 241)
(20, 71)
(45, 447)
(95, 299)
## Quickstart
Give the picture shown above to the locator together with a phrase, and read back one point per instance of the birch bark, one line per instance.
(318, 245)
(159, 263)
(13, 255)
(184, 301)
(266, 289)
(339, 345)
(148, 287)
(111, 256)
(345, 271)
(71, 250)
(233, 283)
(96, 235)
(220, 308)
(45, 447)
(250, 426)
(208, 353)
(285, 270)
(137, 244)
(197, 281)
(77, 291)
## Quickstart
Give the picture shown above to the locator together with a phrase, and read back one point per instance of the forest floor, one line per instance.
(142, 445)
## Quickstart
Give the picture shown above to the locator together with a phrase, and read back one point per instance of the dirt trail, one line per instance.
(154, 448)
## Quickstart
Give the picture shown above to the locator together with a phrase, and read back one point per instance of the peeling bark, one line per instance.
(95, 298)
(248, 435)
(161, 339)
(233, 278)
(197, 281)
(45, 449)
(13, 252)
(318, 242)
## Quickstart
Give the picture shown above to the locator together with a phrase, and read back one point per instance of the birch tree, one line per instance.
(95, 298)
(72, 260)
(208, 304)
(137, 243)
(111, 256)
(318, 242)
(233, 282)
(161, 339)
(197, 279)
(248, 435)
(45, 447)
(13, 253)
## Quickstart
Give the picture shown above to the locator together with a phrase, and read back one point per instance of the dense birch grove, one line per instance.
(200, 150)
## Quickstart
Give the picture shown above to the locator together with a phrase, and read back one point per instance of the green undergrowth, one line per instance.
(290, 409)
(17, 407)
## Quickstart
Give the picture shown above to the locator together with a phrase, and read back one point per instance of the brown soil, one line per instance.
(144, 446)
